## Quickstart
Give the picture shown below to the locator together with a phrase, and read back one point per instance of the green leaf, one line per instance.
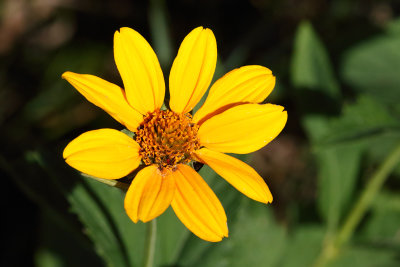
(378, 148)
(393, 27)
(311, 67)
(303, 247)
(372, 67)
(362, 125)
(100, 208)
(255, 239)
(316, 87)
(384, 224)
(362, 120)
(316, 126)
(171, 238)
(366, 257)
(46, 258)
(338, 169)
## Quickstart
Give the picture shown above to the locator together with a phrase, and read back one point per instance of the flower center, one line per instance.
(167, 138)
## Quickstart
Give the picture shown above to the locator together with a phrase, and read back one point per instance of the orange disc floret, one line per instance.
(167, 138)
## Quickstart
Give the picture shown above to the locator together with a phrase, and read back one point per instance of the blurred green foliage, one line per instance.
(337, 66)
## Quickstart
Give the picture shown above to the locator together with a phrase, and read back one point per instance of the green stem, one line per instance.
(365, 200)
(114, 183)
(358, 211)
(150, 243)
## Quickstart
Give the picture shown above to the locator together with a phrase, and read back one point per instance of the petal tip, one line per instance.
(226, 232)
(219, 237)
(145, 220)
(67, 152)
(65, 155)
(285, 115)
(116, 37)
(134, 218)
(120, 30)
(65, 75)
(68, 161)
(199, 28)
(209, 31)
(126, 30)
(267, 201)
(265, 198)
(268, 198)
(203, 30)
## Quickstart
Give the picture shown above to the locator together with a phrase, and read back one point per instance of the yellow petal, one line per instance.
(104, 153)
(140, 71)
(248, 84)
(149, 195)
(243, 177)
(192, 70)
(197, 206)
(110, 97)
(243, 129)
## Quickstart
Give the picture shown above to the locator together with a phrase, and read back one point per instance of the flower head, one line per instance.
(230, 121)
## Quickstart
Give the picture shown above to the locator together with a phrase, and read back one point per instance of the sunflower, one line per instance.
(166, 141)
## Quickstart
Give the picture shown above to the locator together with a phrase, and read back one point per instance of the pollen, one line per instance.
(167, 138)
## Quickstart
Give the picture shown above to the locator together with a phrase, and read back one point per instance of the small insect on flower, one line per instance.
(231, 120)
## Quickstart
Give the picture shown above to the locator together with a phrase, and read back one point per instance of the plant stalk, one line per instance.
(374, 185)
(151, 237)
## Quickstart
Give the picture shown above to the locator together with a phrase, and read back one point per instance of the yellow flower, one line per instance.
(230, 121)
